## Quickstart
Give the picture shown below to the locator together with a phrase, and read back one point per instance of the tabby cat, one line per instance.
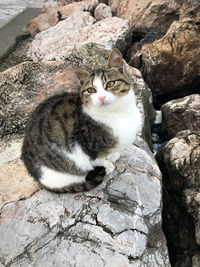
(73, 139)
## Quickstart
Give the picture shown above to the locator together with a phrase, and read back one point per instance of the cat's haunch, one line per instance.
(73, 139)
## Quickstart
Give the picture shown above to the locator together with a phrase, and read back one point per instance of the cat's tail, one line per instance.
(92, 179)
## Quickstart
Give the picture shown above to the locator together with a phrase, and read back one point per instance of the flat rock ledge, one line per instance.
(116, 224)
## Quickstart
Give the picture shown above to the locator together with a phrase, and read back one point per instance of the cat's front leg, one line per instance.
(109, 166)
(113, 156)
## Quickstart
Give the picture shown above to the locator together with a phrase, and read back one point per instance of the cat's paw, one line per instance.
(109, 167)
(113, 157)
(86, 167)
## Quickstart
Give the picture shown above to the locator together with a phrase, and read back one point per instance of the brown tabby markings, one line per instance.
(59, 123)
(120, 88)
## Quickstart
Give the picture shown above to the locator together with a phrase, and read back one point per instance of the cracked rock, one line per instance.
(114, 223)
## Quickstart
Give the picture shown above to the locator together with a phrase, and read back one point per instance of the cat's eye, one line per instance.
(110, 84)
(91, 90)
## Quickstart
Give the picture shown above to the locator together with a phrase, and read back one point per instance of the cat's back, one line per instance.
(52, 121)
(50, 127)
(57, 113)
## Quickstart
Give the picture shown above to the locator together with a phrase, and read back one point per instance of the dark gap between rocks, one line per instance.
(158, 101)
(178, 225)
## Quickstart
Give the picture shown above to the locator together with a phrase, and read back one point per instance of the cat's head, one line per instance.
(104, 87)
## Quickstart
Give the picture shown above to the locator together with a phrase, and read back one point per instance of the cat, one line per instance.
(73, 139)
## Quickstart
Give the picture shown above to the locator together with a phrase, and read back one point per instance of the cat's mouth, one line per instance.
(103, 104)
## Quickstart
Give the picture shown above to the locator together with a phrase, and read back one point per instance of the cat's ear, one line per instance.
(115, 60)
(81, 74)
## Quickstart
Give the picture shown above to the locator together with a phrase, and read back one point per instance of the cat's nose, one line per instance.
(102, 98)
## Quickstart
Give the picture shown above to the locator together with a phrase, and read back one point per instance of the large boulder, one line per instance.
(30, 83)
(26, 85)
(146, 15)
(118, 222)
(181, 114)
(171, 66)
(59, 41)
(15, 183)
(179, 160)
(51, 15)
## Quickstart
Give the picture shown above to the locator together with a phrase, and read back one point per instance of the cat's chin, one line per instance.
(101, 105)
(104, 104)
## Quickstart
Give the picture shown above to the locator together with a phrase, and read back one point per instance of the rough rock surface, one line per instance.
(59, 41)
(146, 14)
(171, 66)
(15, 183)
(52, 3)
(102, 11)
(181, 114)
(42, 22)
(52, 15)
(118, 223)
(140, 39)
(25, 90)
(26, 85)
(179, 160)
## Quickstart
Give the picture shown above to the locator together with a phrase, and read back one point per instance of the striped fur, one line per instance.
(73, 139)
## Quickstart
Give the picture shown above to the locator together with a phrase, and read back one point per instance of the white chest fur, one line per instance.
(125, 126)
(123, 117)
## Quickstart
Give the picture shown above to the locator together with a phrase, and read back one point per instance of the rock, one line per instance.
(51, 3)
(55, 78)
(181, 114)
(26, 85)
(25, 90)
(170, 65)
(88, 56)
(69, 10)
(119, 222)
(179, 160)
(42, 22)
(140, 39)
(52, 15)
(146, 15)
(102, 11)
(149, 21)
(59, 41)
(18, 184)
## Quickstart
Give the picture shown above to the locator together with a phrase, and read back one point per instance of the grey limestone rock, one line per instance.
(116, 224)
